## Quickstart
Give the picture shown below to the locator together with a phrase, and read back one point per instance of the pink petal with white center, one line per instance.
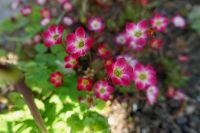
(121, 38)
(107, 90)
(95, 24)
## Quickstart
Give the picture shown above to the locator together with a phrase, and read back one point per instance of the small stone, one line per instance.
(182, 121)
(135, 107)
(190, 109)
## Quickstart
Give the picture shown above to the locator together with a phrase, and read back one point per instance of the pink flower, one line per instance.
(45, 13)
(61, 1)
(15, 4)
(121, 38)
(68, 21)
(67, 6)
(179, 22)
(179, 95)
(103, 90)
(37, 39)
(103, 51)
(41, 2)
(134, 45)
(137, 32)
(84, 84)
(53, 35)
(121, 72)
(26, 10)
(183, 58)
(108, 64)
(130, 60)
(159, 22)
(56, 79)
(45, 21)
(78, 44)
(152, 94)
(144, 76)
(71, 61)
(156, 43)
(176, 94)
(170, 92)
(144, 2)
(95, 24)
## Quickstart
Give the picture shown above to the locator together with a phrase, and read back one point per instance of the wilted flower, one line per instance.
(176, 94)
(53, 35)
(179, 95)
(152, 94)
(103, 90)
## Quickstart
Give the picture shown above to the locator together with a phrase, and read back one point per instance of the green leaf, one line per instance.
(17, 99)
(40, 48)
(100, 104)
(57, 48)
(2, 53)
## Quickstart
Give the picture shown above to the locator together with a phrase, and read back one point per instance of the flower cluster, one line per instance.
(77, 45)
(137, 35)
(120, 70)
